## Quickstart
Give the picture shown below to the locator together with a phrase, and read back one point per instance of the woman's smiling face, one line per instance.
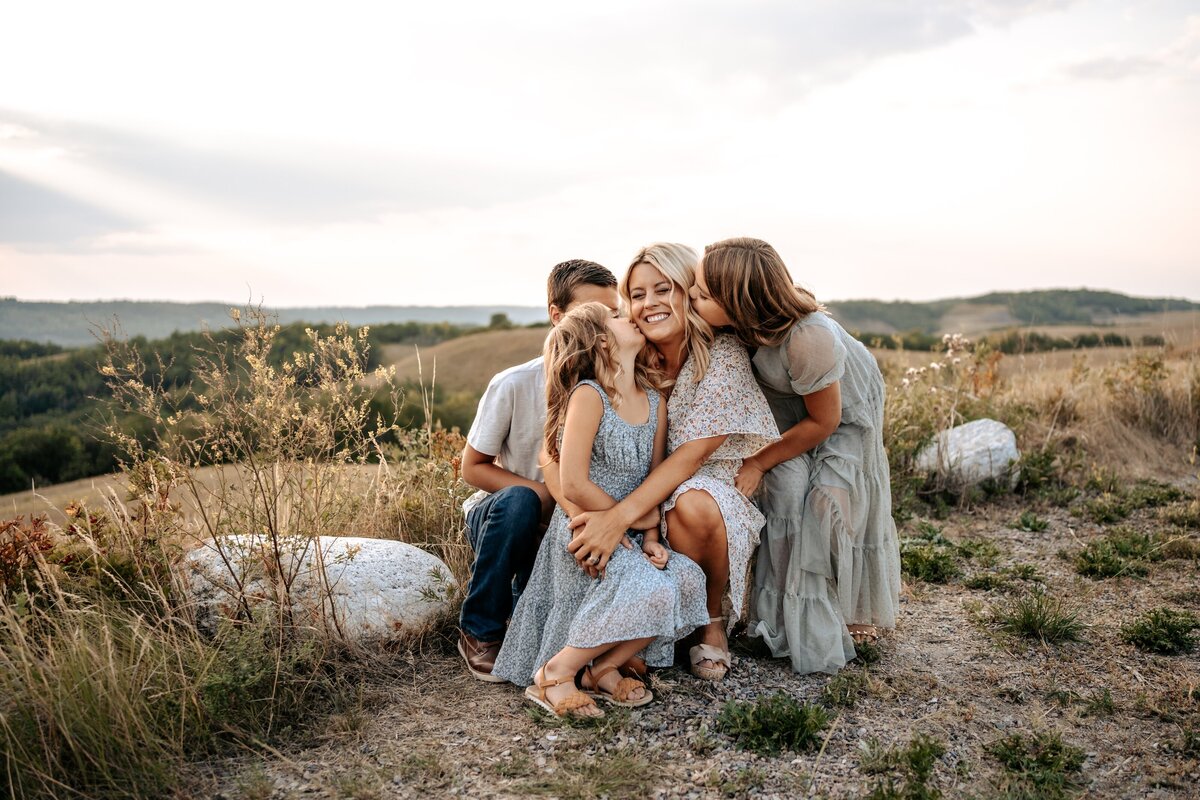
(656, 305)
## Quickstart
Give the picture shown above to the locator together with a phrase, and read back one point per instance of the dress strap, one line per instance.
(603, 394)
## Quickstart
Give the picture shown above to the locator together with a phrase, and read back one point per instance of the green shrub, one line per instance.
(1030, 522)
(1037, 615)
(915, 764)
(989, 582)
(846, 687)
(927, 562)
(1122, 551)
(1041, 765)
(1185, 515)
(771, 724)
(1162, 631)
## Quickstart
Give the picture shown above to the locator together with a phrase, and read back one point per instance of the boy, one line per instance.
(506, 517)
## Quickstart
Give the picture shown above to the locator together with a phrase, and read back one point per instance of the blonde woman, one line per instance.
(828, 570)
(605, 426)
(716, 417)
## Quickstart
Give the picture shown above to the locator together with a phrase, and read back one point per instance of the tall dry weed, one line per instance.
(106, 687)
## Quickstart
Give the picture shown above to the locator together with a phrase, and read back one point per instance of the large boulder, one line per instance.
(969, 454)
(354, 588)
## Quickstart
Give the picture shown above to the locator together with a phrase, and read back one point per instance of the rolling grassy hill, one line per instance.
(71, 324)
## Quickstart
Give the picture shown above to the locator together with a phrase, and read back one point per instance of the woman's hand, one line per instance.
(596, 536)
(748, 479)
(656, 553)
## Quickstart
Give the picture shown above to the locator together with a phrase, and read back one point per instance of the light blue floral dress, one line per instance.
(829, 554)
(562, 606)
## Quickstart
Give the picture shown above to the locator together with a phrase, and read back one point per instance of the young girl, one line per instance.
(828, 572)
(606, 426)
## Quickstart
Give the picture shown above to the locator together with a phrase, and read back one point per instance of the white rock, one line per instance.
(377, 588)
(970, 454)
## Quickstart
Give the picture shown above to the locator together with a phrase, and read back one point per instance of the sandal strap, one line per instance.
(625, 687)
(706, 652)
(572, 702)
(548, 683)
(593, 676)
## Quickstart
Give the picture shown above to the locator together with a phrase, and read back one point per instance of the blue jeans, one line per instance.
(503, 530)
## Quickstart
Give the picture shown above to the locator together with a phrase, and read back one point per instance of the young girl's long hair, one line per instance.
(677, 262)
(748, 279)
(578, 348)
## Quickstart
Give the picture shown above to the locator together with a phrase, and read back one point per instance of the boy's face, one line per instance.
(586, 293)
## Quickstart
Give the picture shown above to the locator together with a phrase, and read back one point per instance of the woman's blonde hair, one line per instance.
(678, 263)
(579, 348)
(747, 278)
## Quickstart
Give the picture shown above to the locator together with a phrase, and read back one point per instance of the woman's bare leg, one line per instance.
(565, 663)
(696, 529)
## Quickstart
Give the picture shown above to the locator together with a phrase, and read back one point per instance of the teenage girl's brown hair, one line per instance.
(747, 278)
(578, 348)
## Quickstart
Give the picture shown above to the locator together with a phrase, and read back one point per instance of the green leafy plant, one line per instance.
(1041, 765)
(774, 723)
(1030, 522)
(1163, 631)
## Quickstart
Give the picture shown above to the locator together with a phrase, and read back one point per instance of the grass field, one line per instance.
(1044, 646)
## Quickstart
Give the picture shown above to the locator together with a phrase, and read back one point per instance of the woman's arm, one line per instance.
(598, 533)
(824, 416)
(660, 450)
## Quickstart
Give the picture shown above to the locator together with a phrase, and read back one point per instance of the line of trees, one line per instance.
(53, 402)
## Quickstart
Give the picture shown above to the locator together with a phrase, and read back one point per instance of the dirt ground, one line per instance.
(946, 672)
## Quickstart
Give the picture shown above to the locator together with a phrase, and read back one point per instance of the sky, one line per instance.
(451, 153)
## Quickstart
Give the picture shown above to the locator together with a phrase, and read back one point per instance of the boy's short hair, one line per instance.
(568, 276)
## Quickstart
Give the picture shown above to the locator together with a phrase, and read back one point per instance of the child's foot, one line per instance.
(555, 690)
(605, 681)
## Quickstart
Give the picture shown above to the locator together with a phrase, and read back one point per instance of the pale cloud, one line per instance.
(452, 153)
(1113, 68)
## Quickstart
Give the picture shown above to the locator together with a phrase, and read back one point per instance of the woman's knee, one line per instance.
(698, 512)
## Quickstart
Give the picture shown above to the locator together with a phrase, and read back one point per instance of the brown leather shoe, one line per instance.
(480, 656)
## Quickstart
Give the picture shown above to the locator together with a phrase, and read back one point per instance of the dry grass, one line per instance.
(467, 363)
(945, 673)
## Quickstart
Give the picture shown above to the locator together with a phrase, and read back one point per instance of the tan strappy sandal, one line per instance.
(619, 696)
(706, 652)
(569, 705)
(863, 634)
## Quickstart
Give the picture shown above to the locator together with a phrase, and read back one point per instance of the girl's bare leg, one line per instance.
(618, 655)
(565, 663)
(696, 529)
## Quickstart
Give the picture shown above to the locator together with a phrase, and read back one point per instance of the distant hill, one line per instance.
(70, 324)
(999, 310)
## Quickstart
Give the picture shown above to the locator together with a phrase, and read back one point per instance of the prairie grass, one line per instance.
(622, 772)
(1039, 616)
(107, 687)
(914, 763)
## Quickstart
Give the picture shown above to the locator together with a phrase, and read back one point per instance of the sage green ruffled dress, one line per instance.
(829, 553)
